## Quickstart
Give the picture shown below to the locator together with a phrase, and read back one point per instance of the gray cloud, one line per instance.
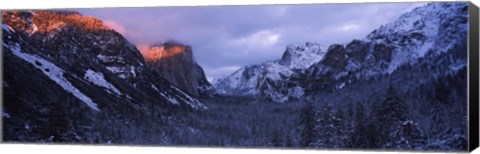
(227, 37)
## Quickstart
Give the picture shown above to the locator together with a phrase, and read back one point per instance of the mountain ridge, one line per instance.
(434, 27)
(98, 53)
(247, 80)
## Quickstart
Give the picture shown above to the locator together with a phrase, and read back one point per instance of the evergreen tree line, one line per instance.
(383, 125)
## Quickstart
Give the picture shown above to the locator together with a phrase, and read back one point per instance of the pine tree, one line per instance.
(407, 136)
(442, 90)
(289, 141)
(349, 125)
(307, 125)
(389, 115)
(276, 140)
(438, 120)
(327, 129)
(359, 138)
(341, 131)
(395, 129)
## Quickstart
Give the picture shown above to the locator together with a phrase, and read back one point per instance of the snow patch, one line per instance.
(166, 96)
(123, 76)
(99, 80)
(297, 92)
(122, 72)
(194, 103)
(132, 70)
(7, 28)
(341, 74)
(276, 71)
(35, 29)
(54, 73)
(341, 86)
(107, 59)
(6, 115)
(27, 126)
(153, 86)
(103, 58)
(424, 48)
(456, 68)
(115, 69)
(170, 98)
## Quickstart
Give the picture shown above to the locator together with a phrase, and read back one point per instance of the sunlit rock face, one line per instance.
(174, 62)
(51, 21)
(160, 51)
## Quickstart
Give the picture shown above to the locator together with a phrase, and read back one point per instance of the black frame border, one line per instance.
(473, 69)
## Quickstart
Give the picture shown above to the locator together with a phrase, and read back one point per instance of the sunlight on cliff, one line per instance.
(159, 52)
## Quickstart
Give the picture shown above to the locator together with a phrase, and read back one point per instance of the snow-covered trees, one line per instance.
(390, 113)
(407, 135)
(394, 127)
(328, 129)
(307, 125)
(359, 138)
(437, 125)
(389, 126)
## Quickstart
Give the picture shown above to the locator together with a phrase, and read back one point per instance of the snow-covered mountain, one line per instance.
(299, 56)
(426, 30)
(62, 64)
(86, 53)
(68, 68)
(254, 79)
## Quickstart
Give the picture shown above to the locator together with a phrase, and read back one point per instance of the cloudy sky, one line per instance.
(225, 38)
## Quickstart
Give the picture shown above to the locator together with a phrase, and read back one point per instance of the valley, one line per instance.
(69, 78)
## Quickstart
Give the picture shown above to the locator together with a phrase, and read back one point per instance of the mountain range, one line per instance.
(425, 31)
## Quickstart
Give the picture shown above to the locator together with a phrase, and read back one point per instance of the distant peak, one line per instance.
(301, 55)
(308, 47)
(311, 44)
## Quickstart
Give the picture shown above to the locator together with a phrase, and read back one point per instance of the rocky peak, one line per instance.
(267, 80)
(174, 61)
(335, 57)
(301, 56)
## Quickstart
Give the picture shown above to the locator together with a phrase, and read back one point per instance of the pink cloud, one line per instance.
(130, 35)
(115, 26)
(143, 47)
